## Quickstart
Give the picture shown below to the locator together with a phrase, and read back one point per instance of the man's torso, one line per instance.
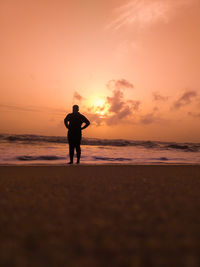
(75, 122)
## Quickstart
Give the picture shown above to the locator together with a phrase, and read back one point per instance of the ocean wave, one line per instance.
(191, 148)
(33, 138)
(33, 158)
(111, 159)
(161, 159)
(38, 139)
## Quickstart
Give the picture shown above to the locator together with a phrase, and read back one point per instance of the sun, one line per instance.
(99, 106)
(98, 102)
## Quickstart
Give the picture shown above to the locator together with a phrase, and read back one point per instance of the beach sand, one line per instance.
(88, 216)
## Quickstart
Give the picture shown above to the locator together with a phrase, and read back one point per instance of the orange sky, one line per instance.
(132, 66)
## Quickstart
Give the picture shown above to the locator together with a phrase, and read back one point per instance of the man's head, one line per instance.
(75, 108)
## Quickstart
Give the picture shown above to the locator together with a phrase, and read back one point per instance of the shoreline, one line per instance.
(98, 164)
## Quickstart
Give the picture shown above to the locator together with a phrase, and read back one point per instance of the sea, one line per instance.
(29, 149)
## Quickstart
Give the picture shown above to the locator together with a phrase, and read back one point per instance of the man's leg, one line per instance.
(78, 151)
(71, 152)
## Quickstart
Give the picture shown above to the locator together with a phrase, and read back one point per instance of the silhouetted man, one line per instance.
(73, 123)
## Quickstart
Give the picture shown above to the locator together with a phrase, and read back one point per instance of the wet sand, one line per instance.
(88, 216)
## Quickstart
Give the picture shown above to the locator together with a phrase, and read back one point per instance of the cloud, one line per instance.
(120, 116)
(157, 97)
(150, 118)
(144, 13)
(135, 104)
(119, 84)
(77, 96)
(94, 118)
(115, 102)
(116, 109)
(194, 114)
(185, 99)
(119, 107)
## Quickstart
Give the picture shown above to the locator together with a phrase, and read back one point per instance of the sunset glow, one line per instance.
(99, 106)
(98, 103)
(131, 66)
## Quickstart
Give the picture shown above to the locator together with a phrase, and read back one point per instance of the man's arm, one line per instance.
(66, 122)
(87, 123)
